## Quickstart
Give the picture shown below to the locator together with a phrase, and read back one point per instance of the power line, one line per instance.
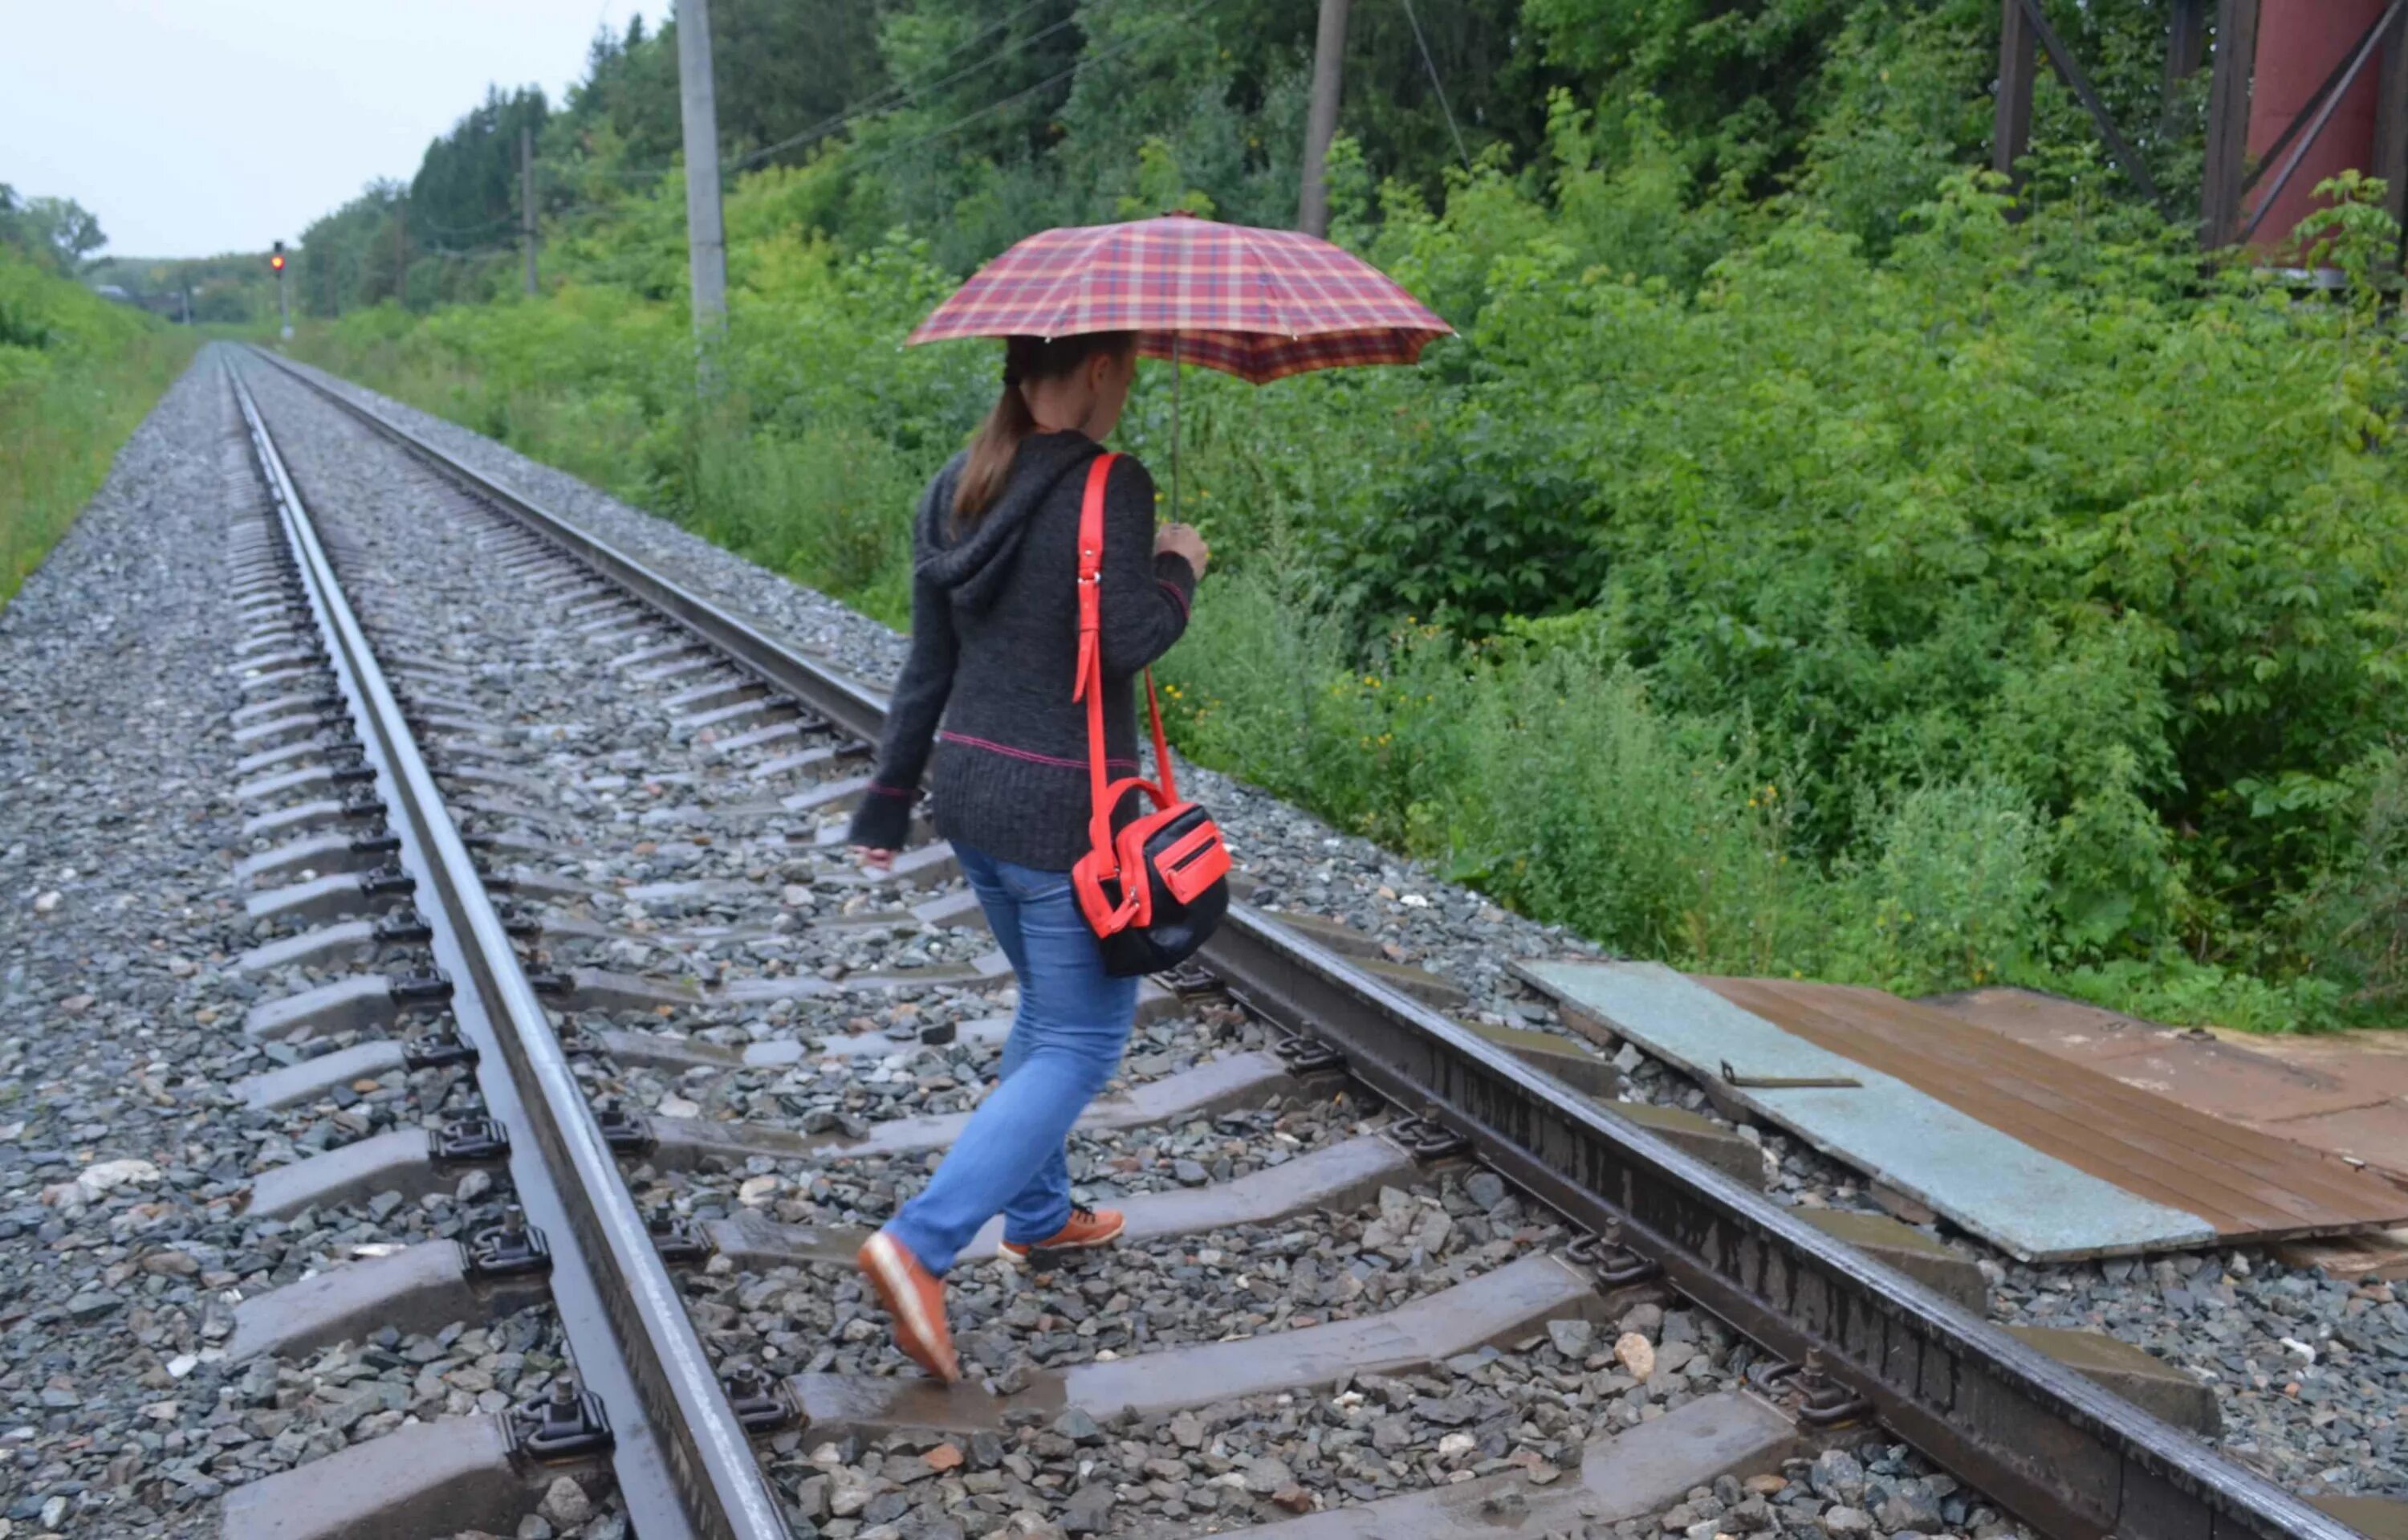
(463, 229)
(625, 173)
(1081, 66)
(877, 98)
(457, 254)
(870, 106)
(1436, 84)
(576, 209)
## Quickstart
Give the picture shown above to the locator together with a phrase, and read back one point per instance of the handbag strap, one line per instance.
(1090, 682)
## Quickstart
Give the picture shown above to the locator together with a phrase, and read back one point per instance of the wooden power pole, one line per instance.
(706, 239)
(527, 200)
(1321, 124)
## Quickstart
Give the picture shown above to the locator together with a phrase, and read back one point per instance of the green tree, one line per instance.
(60, 233)
(467, 189)
(627, 107)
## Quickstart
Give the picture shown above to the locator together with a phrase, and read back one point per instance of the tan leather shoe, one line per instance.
(1088, 1226)
(915, 1297)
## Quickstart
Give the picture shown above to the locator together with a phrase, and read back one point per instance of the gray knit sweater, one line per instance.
(995, 645)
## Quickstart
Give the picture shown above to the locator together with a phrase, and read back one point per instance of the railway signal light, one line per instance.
(283, 305)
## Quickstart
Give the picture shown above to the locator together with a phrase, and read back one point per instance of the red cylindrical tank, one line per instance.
(2300, 42)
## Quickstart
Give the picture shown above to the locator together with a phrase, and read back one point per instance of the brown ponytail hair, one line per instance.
(1024, 358)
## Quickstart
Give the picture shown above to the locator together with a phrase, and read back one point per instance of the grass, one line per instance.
(60, 428)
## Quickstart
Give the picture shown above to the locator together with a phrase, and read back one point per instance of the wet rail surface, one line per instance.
(626, 1039)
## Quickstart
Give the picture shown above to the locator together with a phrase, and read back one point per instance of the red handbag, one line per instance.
(1155, 892)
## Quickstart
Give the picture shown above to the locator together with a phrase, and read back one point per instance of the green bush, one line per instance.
(1533, 765)
(2000, 598)
(1952, 888)
(827, 508)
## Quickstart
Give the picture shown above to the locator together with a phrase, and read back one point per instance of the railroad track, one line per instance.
(534, 711)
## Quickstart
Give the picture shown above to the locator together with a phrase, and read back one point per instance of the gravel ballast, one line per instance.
(1145, 1295)
(1300, 862)
(636, 786)
(649, 849)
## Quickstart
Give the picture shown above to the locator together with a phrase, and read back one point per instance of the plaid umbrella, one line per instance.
(1258, 304)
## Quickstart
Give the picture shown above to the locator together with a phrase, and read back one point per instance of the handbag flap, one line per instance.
(1193, 864)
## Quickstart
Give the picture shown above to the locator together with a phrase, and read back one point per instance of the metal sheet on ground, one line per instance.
(2343, 1093)
(2030, 1204)
(2249, 1185)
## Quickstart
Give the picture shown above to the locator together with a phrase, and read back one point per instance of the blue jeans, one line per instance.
(1066, 1041)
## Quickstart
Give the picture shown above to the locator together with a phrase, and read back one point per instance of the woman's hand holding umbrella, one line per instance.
(1180, 539)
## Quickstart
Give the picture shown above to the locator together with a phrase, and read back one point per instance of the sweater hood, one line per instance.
(973, 569)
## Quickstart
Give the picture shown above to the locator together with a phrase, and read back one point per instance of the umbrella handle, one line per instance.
(1177, 370)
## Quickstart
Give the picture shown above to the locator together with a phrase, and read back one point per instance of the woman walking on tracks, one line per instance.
(994, 648)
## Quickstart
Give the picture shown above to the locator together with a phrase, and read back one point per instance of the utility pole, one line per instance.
(705, 239)
(526, 200)
(1321, 125)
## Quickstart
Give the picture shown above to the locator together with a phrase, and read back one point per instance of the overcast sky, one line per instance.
(197, 126)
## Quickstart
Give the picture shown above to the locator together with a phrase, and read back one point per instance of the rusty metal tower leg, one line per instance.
(2227, 121)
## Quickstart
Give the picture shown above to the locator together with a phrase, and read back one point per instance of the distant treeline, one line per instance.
(970, 121)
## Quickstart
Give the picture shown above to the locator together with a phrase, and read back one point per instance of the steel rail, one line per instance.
(2068, 1457)
(682, 1461)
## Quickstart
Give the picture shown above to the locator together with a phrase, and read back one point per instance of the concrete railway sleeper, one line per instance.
(770, 1045)
(643, 1405)
(419, 1287)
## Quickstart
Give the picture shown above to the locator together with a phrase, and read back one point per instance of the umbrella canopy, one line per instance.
(1258, 304)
